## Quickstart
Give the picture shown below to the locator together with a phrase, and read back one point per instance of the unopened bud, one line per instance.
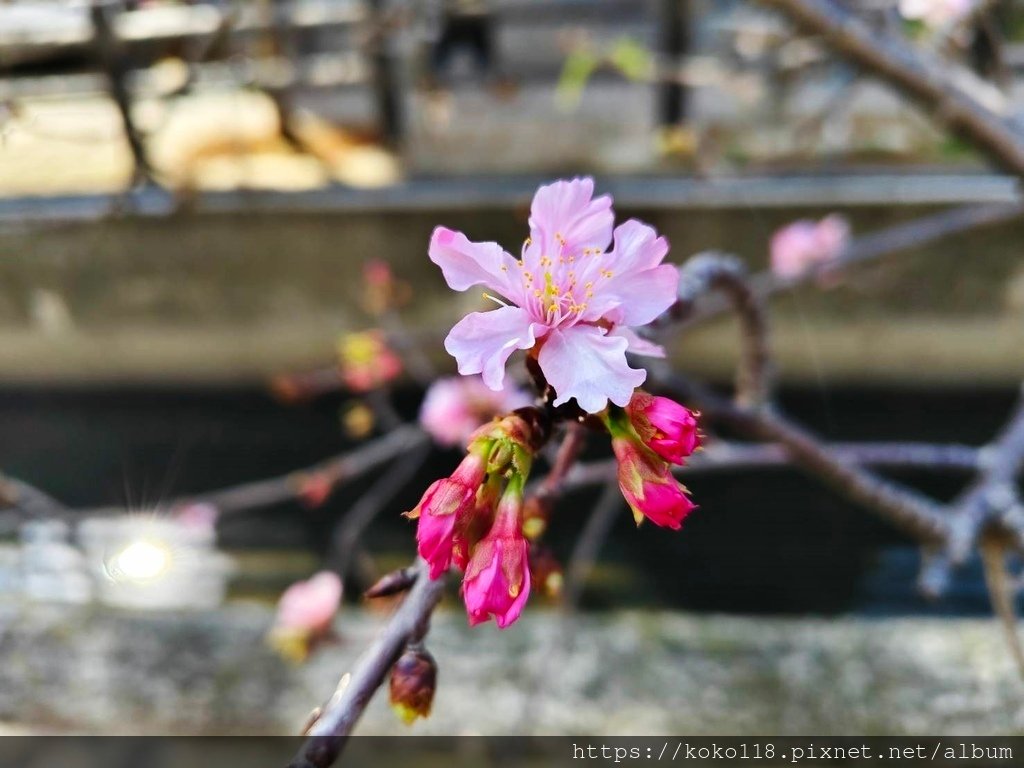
(413, 682)
(500, 458)
(392, 583)
(536, 513)
(546, 572)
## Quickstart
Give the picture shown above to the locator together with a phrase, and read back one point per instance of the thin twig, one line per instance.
(727, 456)
(904, 507)
(417, 362)
(327, 736)
(1001, 592)
(993, 492)
(371, 503)
(548, 489)
(991, 501)
(275, 490)
(29, 500)
(727, 275)
(588, 544)
(111, 60)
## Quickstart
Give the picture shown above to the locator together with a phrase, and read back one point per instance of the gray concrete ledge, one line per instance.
(625, 673)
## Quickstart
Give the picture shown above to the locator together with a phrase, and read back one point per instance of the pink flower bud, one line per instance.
(666, 427)
(648, 485)
(442, 506)
(472, 527)
(311, 604)
(497, 579)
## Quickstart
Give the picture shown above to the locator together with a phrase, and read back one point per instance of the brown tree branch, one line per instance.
(112, 61)
(350, 528)
(993, 493)
(288, 487)
(1002, 594)
(727, 275)
(930, 82)
(906, 508)
(330, 731)
(727, 456)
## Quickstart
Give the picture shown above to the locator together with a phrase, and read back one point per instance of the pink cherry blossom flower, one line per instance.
(567, 297)
(666, 427)
(648, 486)
(310, 606)
(804, 244)
(445, 502)
(497, 579)
(456, 406)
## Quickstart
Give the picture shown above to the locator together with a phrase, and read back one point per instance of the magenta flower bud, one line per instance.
(648, 485)
(472, 527)
(443, 504)
(413, 682)
(497, 579)
(666, 427)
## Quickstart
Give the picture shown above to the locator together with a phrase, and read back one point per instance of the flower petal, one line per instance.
(637, 247)
(644, 296)
(631, 285)
(482, 342)
(465, 263)
(584, 363)
(638, 345)
(566, 209)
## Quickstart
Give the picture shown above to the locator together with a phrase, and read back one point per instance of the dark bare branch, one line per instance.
(930, 82)
(327, 736)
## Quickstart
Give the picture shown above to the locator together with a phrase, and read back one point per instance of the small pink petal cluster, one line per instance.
(366, 362)
(804, 244)
(455, 407)
(305, 613)
(568, 299)
(647, 437)
(474, 520)
(936, 13)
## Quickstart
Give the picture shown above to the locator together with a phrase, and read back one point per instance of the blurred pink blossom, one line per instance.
(455, 407)
(804, 244)
(305, 614)
(310, 606)
(936, 13)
